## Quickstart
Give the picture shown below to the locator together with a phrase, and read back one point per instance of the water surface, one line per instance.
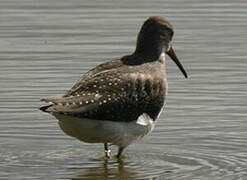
(47, 45)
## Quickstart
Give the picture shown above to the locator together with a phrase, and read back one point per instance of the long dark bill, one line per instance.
(173, 56)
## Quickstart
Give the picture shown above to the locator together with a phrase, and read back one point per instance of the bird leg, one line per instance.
(107, 151)
(120, 150)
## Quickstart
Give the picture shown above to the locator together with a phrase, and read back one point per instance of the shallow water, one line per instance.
(47, 45)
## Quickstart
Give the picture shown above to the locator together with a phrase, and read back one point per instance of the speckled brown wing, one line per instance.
(91, 74)
(117, 94)
(83, 96)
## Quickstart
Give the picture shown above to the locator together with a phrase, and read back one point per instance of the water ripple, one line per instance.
(46, 46)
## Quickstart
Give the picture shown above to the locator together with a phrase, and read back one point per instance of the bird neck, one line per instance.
(149, 48)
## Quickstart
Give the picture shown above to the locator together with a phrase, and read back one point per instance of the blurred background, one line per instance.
(47, 45)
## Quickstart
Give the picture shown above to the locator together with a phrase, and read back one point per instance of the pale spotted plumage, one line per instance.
(105, 100)
(118, 102)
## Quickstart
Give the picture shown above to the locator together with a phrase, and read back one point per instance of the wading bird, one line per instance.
(118, 102)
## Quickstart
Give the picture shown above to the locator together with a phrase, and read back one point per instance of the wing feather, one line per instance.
(118, 94)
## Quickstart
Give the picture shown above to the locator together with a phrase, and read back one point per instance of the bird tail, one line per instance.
(45, 108)
(68, 105)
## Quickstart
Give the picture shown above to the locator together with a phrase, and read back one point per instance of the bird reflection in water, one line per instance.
(113, 169)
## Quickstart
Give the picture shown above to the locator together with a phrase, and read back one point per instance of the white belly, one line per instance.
(97, 131)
